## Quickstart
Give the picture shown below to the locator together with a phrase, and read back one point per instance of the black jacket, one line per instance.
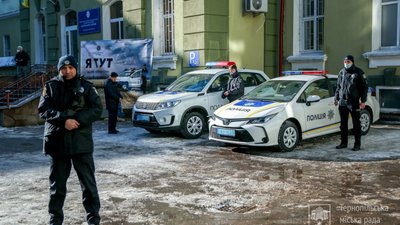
(22, 58)
(112, 94)
(351, 86)
(62, 100)
(235, 87)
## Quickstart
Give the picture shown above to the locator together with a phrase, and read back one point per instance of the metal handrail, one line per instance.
(27, 86)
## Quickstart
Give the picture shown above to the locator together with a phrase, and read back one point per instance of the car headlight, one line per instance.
(263, 119)
(169, 104)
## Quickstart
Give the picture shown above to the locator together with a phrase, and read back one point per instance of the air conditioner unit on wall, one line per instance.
(256, 6)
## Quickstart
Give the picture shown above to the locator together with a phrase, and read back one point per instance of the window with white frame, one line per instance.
(385, 46)
(312, 25)
(6, 45)
(308, 21)
(71, 34)
(390, 33)
(116, 21)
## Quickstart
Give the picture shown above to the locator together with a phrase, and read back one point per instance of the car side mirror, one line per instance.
(311, 99)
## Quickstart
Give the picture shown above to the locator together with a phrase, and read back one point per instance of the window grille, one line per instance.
(167, 43)
(313, 25)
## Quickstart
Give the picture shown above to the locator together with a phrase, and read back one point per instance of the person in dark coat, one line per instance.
(113, 98)
(21, 60)
(143, 86)
(235, 87)
(351, 95)
(69, 105)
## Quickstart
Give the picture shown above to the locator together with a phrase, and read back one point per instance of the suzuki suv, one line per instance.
(190, 100)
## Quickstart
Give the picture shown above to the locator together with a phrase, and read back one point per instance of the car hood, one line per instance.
(162, 96)
(249, 108)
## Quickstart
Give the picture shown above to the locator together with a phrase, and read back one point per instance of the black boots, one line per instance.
(342, 145)
(356, 147)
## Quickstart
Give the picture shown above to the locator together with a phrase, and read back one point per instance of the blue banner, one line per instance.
(100, 58)
(89, 21)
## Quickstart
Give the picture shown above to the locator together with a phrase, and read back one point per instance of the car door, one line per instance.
(214, 93)
(319, 117)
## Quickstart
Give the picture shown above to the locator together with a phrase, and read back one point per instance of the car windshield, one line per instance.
(190, 83)
(131, 73)
(275, 90)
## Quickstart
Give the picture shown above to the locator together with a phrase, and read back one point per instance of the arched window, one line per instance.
(116, 21)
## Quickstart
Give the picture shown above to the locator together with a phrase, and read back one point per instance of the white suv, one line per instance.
(187, 103)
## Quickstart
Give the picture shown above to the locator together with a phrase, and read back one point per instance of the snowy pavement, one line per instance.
(163, 179)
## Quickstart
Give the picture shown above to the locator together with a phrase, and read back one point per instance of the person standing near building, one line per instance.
(113, 98)
(21, 60)
(69, 105)
(351, 95)
(143, 86)
(235, 87)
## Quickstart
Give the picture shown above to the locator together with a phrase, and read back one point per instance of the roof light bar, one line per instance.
(305, 72)
(220, 64)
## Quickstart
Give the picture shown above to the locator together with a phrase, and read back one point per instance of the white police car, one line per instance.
(130, 80)
(186, 104)
(284, 110)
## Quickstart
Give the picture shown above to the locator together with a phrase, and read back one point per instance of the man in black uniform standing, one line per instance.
(69, 105)
(113, 98)
(21, 60)
(235, 87)
(351, 95)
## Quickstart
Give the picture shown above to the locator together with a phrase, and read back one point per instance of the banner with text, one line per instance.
(100, 58)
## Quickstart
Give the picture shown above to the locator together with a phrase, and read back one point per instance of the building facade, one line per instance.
(295, 34)
(209, 30)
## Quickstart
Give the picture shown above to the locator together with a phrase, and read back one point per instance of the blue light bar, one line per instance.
(220, 64)
(305, 72)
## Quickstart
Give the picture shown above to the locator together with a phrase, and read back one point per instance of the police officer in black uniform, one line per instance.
(351, 95)
(69, 105)
(113, 98)
(235, 87)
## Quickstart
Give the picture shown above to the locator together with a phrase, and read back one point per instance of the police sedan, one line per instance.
(285, 110)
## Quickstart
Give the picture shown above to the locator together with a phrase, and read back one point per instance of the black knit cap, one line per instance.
(114, 74)
(67, 60)
(349, 57)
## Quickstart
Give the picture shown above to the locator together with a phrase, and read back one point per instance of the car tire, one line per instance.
(365, 121)
(193, 125)
(288, 136)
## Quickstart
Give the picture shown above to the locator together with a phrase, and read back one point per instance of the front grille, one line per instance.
(146, 105)
(240, 135)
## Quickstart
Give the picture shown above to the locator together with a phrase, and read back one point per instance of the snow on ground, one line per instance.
(152, 179)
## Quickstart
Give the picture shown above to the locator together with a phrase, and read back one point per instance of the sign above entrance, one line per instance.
(89, 21)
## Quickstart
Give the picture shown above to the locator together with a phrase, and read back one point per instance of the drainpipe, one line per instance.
(281, 19)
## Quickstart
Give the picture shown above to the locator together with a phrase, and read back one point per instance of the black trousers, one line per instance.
(59, 172)
(112, 119)
(344, 130)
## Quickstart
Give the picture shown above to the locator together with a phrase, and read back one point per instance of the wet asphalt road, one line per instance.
(163, 179)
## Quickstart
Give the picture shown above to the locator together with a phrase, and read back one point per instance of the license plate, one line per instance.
(145, 118)
(226, 132)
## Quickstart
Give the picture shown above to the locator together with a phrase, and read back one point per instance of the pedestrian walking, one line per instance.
(113, 98)
(21, 60)
(235, 87)
(351, 95)
(69, 105)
